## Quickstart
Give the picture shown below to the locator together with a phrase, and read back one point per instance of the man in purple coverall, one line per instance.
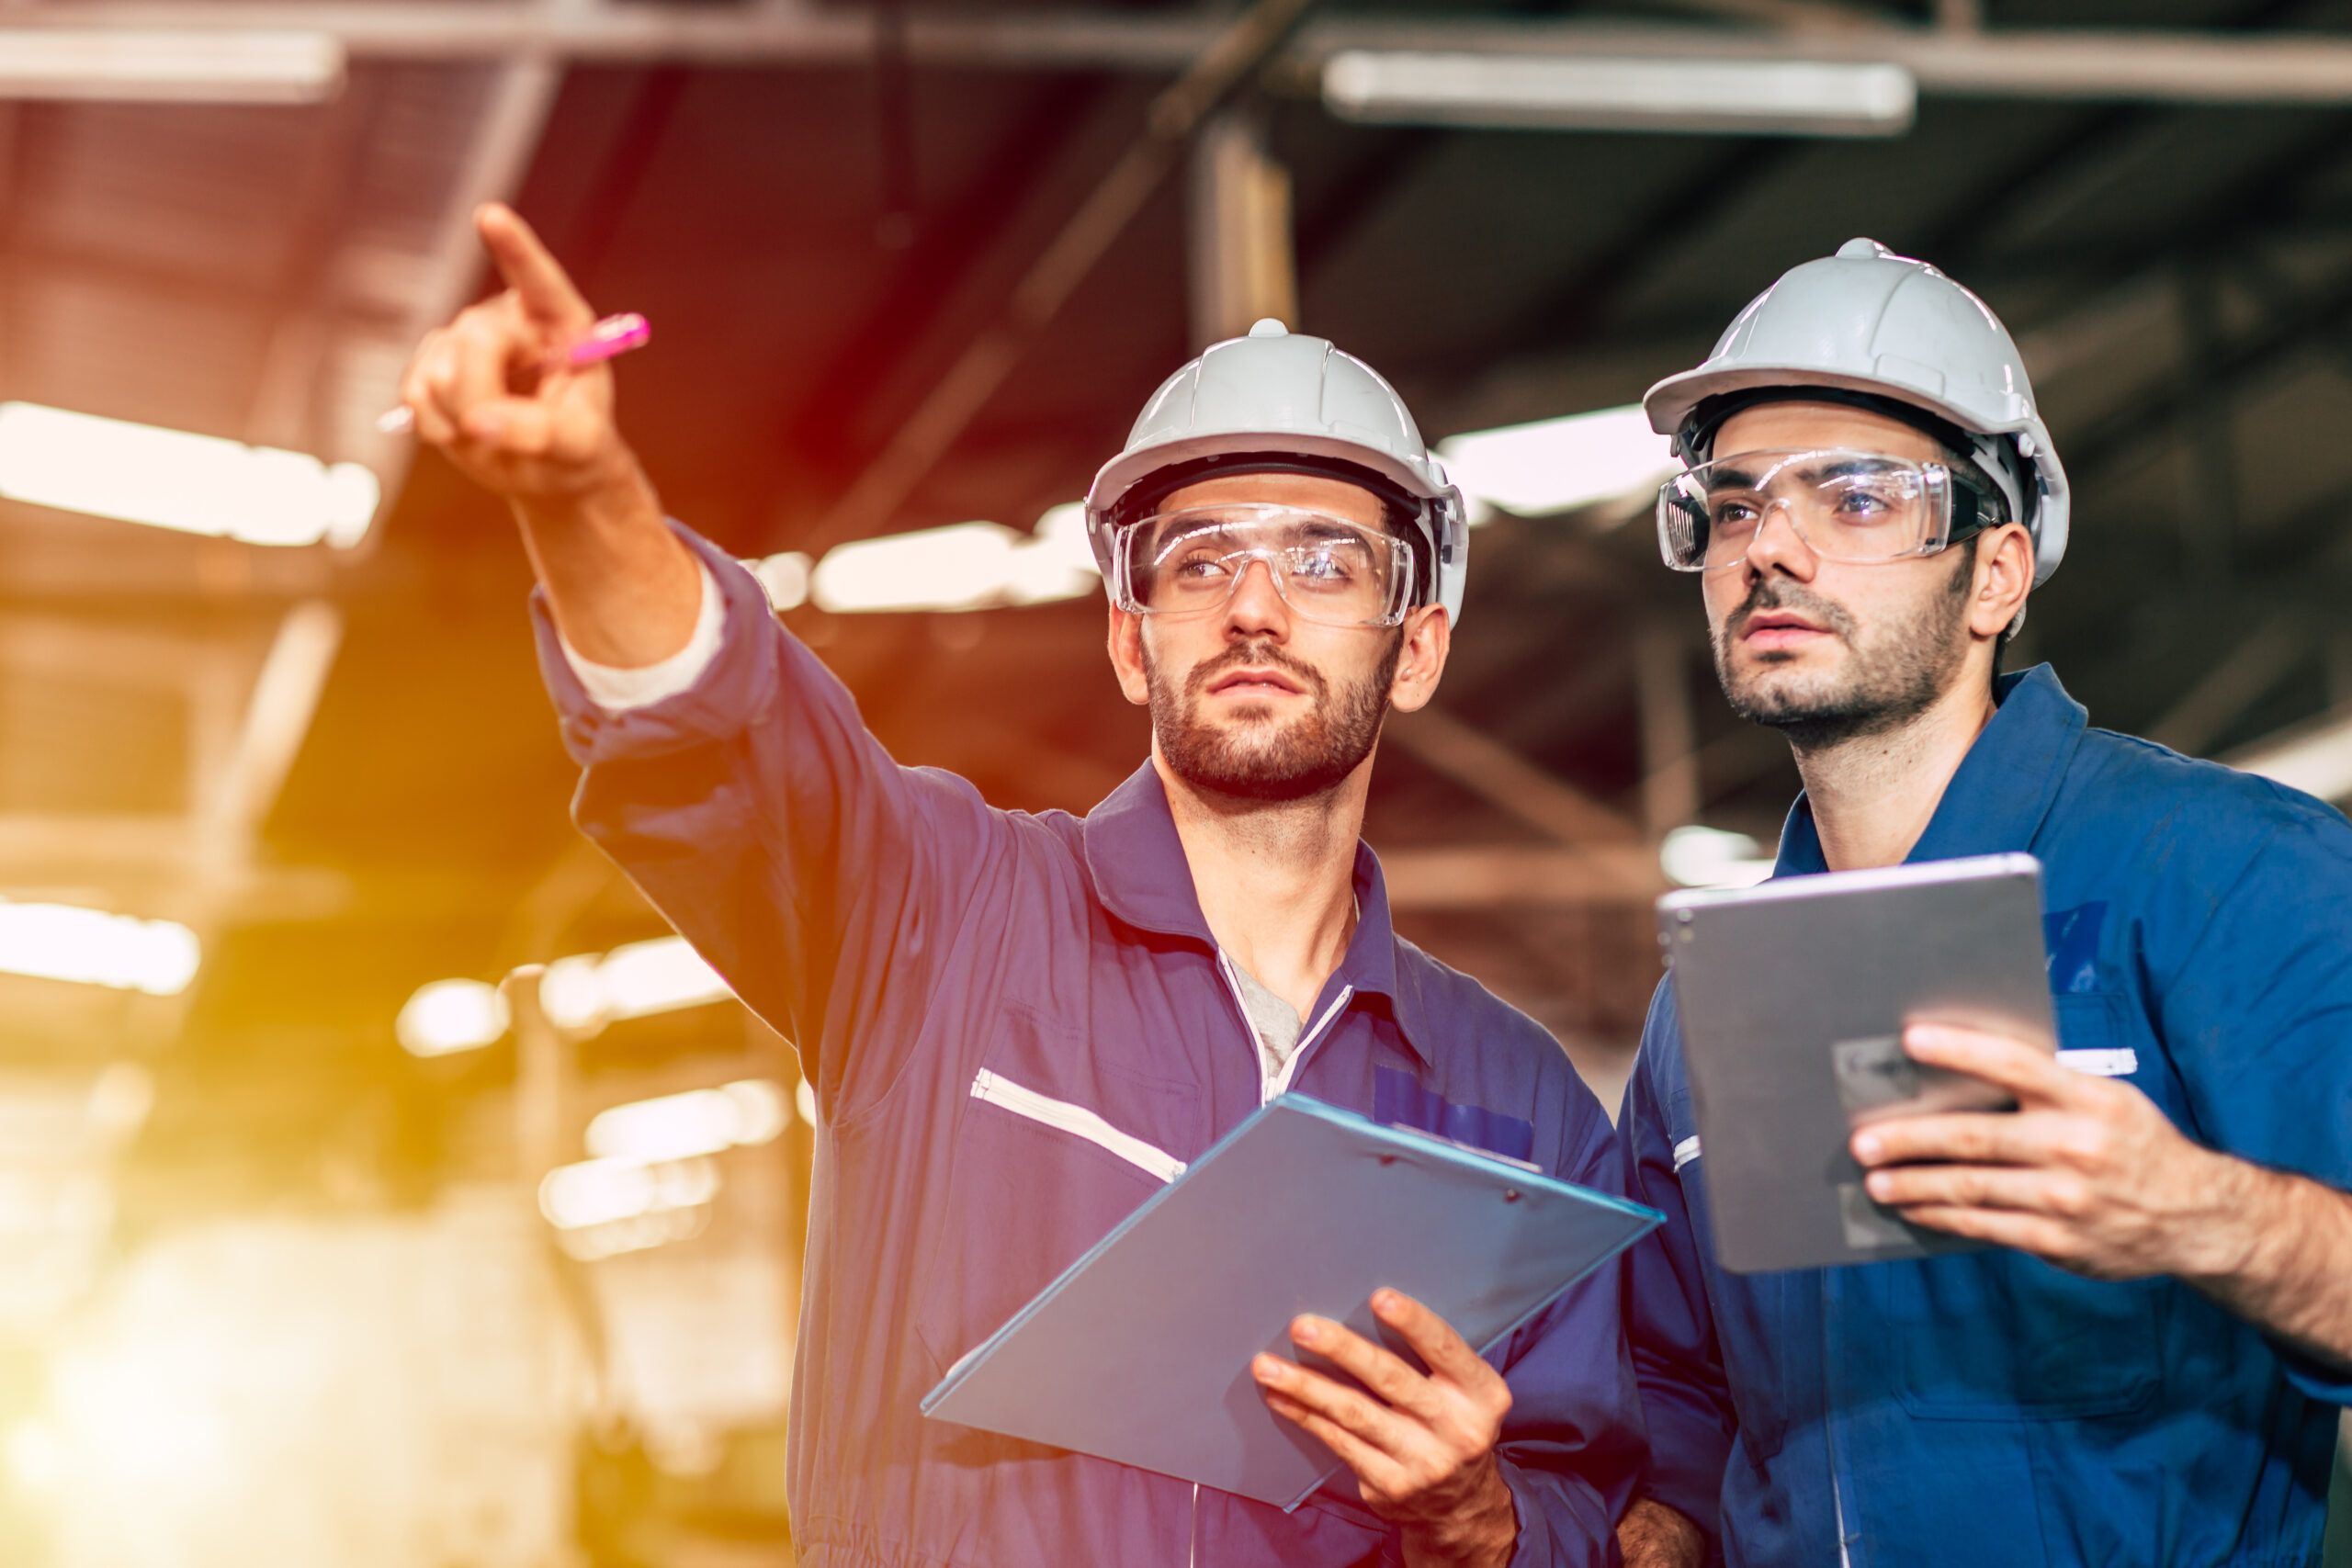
(1019, 1026)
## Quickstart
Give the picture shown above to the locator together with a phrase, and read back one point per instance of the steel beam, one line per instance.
(1233, 55)
(2085, 66)
(1482, 876)
(1500, 775)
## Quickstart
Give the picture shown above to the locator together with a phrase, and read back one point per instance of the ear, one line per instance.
(1126, 656)
(1429, 637)
(2004, 576)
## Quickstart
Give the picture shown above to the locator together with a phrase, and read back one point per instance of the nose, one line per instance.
(1256, 606)
(1778, 548)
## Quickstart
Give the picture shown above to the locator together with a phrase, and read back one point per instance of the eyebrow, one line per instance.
(1741, 478)
(1310, 529)
(1848, 469)
(1335, 529)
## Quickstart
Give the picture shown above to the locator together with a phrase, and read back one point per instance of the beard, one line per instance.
(1260, 757)
(1889, 678)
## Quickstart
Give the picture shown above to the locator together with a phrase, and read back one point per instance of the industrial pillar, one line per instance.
(1668, 732)
(1241, 267)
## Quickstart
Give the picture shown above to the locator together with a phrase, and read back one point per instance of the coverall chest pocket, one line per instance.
(1997, 1335)
(1053, 1147)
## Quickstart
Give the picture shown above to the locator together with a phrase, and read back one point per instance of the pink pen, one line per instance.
(609, 338)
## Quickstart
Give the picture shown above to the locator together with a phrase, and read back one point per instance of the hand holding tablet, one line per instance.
(1794, 996)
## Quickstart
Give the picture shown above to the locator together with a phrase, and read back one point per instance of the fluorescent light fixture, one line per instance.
(586, 993)
(581, 994)
(700, 1122)
(804, 1100)
(1557, 465)
(60, 942)
(171, 478)
(784, 576)
(2314, 757)
(599, 1191)
(451, 1015)
(1709, 857)
(1769, 97)
(211, 67)
(634, 1234)
(965, 566)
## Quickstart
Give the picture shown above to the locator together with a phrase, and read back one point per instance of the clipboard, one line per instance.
(1303, 1207)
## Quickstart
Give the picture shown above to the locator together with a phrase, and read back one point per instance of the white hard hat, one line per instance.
(1867, 321)
(1276, 401)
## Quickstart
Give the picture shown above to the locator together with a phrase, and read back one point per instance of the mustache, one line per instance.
(1265, 656)
(1773, 594)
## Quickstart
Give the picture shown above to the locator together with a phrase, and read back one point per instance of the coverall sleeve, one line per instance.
(1572, 1445)
(1686, 1398)
(759, 816)
(2256, 1014)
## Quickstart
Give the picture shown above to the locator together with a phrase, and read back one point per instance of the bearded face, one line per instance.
(1252, 751)
(1885, 674)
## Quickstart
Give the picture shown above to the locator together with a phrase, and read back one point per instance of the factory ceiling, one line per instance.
(335, 765)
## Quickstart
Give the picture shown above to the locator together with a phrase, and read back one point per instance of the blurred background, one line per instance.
(377, 1185)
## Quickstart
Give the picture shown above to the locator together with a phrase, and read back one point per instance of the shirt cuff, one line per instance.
(617, 689)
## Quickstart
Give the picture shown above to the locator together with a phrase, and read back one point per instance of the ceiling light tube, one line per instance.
(599, 1191)
(1710, 857)
(447, 1016)
(964, 566)
(1756, 98)
(171, 479)
(211, 67)
(91, 947)
(1558, 465)
(699, 1121)
(584, 993)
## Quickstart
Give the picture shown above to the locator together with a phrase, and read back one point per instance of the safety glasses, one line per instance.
(1329, 570)
(1845, 505)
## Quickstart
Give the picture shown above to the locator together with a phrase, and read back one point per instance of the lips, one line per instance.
(1779, 631)
(1255, 682)
(1778, 621)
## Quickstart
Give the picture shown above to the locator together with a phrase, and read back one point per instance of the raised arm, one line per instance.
(622, 588)
(751, 806)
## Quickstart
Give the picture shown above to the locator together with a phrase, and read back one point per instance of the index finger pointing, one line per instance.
(539, 280)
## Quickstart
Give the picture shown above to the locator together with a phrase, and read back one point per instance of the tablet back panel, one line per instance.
(1141, 1352)
(1793, 996)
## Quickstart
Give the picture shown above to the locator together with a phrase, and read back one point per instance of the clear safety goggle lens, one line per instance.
(1189, 562)
(1846, 506)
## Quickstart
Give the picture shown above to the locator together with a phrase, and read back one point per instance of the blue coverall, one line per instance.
(976, 996)
(1987, 1408)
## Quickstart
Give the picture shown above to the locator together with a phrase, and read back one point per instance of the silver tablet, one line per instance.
(1793, 995)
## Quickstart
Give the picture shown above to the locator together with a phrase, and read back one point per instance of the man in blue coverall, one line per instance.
(2144, 1369)
(1020, 1027)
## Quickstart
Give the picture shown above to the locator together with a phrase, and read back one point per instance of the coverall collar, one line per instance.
(2002, 790)
(1142, 876)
